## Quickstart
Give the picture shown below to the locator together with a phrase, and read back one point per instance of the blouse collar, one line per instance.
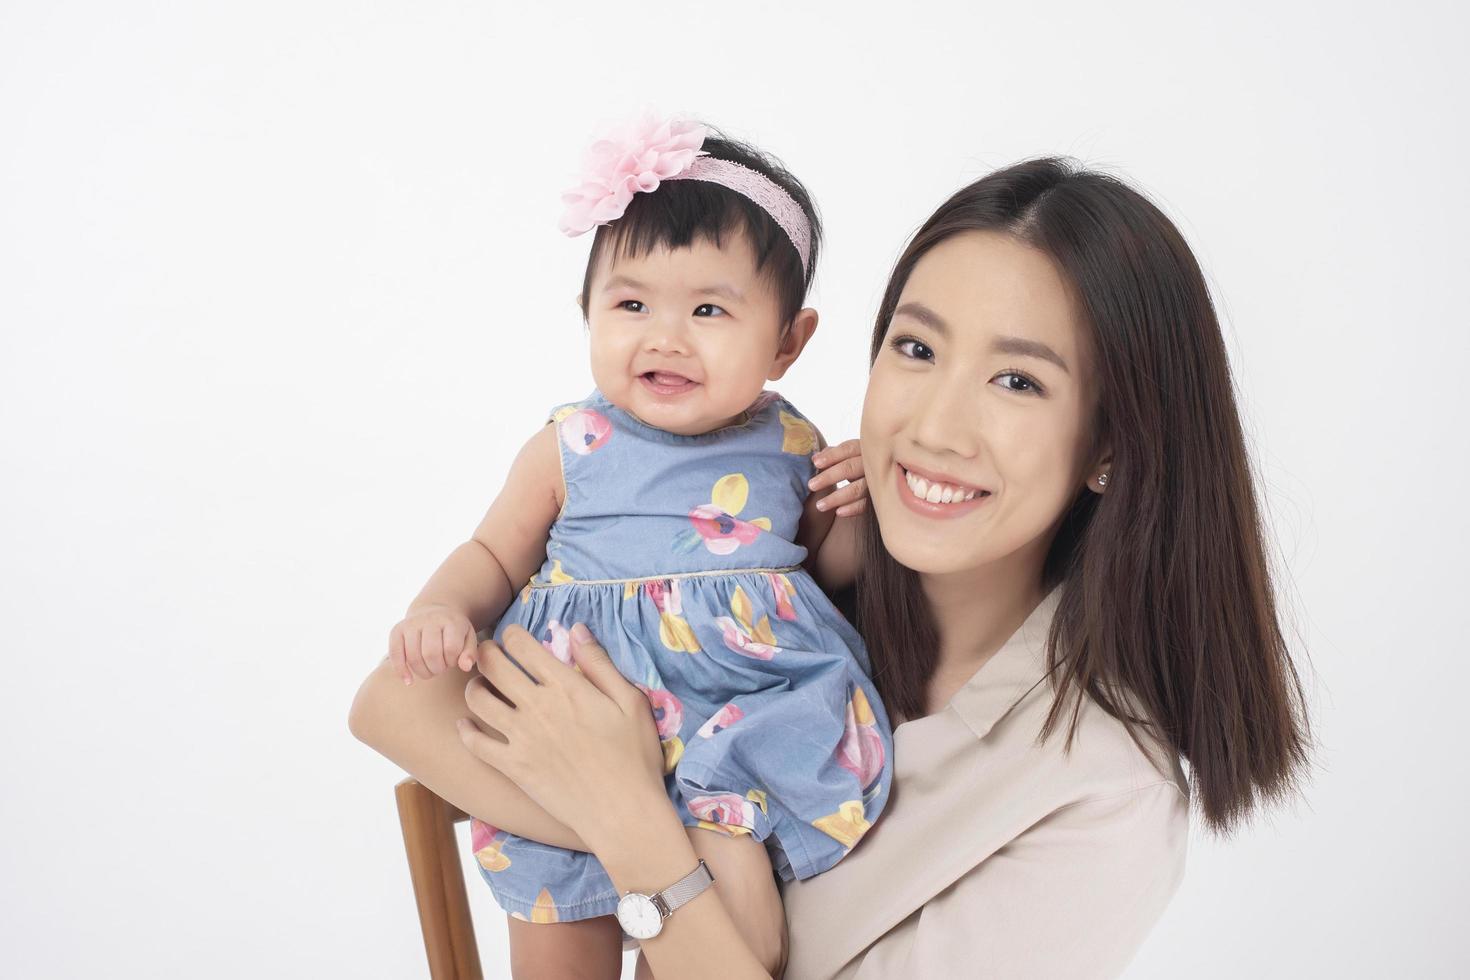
(1010, 673)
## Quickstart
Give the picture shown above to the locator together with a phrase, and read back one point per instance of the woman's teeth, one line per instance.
(939, 493)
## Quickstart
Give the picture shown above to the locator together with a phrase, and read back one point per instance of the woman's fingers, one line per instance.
(837, 464)
(855, 492)
(515, 679)
(598, 668)
(488, 750)
(481, 700)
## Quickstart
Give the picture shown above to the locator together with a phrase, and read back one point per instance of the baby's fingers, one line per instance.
(397, 655)
(433, 649)
(413, 642)
(459, 646)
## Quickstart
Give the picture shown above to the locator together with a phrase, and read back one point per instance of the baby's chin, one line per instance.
(686, 414)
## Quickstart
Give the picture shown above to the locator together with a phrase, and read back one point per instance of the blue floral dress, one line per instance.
(679, 553)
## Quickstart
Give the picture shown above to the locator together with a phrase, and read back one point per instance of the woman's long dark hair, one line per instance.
(1166, 614)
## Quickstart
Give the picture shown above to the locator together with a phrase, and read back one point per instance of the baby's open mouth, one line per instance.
(666, 382)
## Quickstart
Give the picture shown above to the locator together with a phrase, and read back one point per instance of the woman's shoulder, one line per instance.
(1095, 755)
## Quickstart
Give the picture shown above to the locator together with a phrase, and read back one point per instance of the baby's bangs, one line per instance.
(681, 211)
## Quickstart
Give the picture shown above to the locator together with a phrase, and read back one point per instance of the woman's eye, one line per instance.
(632, 306)
(1015, 381)
(708, 309)
(913, 349)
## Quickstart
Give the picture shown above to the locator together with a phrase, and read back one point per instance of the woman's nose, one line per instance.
(947, 419)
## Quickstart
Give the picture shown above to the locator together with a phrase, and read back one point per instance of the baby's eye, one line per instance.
(632, 306)
(913, 349)
(1017, 382)
(708, 309)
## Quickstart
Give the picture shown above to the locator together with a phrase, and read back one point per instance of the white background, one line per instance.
(281, 292)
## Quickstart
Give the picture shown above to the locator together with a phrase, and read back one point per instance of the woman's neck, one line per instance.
(977, 610)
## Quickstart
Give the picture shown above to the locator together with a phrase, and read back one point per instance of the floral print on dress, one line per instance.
(846, 826)
(715, 523)
(584, 430)
(797, 435)
(754, 641)
(559, 642)
(724, 813)
(485, 842)
(721, 720)
(783, 590)
(861, 750)
(545, 908)
(668, 718)
(673, 629)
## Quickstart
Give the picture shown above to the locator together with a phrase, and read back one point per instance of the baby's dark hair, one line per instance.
(681, 210)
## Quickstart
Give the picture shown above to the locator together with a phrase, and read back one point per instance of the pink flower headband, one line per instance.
(652, 151)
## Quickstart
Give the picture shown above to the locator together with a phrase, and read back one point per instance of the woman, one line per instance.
(1052, 645)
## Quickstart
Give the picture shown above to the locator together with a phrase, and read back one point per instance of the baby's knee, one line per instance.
(364, 717)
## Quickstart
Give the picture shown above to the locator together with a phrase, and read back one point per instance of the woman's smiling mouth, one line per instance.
(933, 497)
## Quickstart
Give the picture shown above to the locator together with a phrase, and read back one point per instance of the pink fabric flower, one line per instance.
(638, 158)
(742, 642)
(585, 430)
(481, 834)
(725, 808)
(668, 710)
(558, 642)
(722, 532)
(720, 720)
(861, 751)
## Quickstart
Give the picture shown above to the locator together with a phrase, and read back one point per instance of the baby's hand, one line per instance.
(429, 640)
(843, 461)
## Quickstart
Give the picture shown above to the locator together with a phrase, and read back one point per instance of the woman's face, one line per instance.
(975, 428)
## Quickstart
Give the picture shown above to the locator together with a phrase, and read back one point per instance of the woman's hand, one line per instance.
(583, 745)
(843, 461)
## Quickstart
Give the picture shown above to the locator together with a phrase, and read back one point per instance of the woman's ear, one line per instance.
(803, 325)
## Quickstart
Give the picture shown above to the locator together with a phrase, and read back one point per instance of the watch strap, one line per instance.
(685, 889)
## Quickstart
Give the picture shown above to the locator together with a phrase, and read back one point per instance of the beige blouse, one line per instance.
(998, 856)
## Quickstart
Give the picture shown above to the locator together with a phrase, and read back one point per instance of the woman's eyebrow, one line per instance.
(1021, 347)
(924, 315)
(1014, 346)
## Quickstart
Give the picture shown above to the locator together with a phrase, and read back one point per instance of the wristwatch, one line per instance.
(642, 916)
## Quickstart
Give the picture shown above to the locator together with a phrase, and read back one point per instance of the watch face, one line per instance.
(639, 916)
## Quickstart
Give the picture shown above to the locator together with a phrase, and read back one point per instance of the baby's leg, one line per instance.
(588, 949)
(414, 727)
(747, 888)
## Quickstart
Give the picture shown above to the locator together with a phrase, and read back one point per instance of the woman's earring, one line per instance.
(1102, 479)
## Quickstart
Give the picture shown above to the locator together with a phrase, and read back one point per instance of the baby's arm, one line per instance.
(828, 526)
(479, 579)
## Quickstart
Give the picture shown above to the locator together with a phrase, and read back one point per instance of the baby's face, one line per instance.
(684, 339)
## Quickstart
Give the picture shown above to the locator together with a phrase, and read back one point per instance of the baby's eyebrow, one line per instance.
(722, 289)
(622, 282)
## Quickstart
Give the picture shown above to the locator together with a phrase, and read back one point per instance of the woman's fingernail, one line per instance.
(811, 484)
(581, 633)
(822, 504)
